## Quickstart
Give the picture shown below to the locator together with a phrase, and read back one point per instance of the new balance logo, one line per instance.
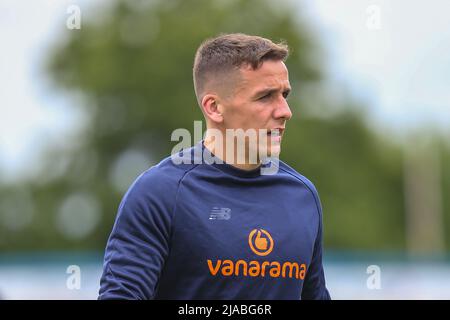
(220, 214)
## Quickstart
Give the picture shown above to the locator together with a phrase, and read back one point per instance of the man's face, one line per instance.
(259, 102)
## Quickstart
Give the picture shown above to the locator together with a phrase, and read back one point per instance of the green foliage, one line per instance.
(359, 178)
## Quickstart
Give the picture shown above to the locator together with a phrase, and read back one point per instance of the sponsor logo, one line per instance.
(261, 243)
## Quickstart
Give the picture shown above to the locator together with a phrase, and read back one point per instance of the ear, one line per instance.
(211, 108)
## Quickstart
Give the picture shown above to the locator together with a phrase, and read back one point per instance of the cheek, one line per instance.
(260, 116)
(246, 116)
(237, 115)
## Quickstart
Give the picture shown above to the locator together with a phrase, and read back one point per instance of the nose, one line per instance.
(282, 110)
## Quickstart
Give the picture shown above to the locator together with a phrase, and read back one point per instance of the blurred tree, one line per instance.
(132, 66)
(359, 177)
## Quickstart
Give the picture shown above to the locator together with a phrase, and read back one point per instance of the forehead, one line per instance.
(269, 74)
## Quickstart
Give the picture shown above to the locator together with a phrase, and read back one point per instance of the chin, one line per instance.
(271, 151)
(274, 151)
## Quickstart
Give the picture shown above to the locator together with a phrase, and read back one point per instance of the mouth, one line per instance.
(276, 131)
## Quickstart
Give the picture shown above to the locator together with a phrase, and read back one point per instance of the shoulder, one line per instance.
(286, 169)
(301, 178)
(160, 181)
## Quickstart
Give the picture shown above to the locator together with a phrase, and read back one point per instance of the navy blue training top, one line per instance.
(213, 231)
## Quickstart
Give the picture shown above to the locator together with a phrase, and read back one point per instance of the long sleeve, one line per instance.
(139, 242)
(314, 287)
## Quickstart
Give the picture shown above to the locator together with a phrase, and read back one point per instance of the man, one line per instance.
(222, 229)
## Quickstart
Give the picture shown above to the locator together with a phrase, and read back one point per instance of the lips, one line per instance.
(280, 131)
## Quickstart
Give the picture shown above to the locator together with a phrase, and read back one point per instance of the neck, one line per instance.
(220, 152)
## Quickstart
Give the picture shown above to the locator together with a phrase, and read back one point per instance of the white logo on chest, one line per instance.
(220, 214)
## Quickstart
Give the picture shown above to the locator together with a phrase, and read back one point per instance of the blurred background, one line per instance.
(92, 90)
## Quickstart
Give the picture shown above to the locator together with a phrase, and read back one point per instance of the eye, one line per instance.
(286, 94)
(265, 97)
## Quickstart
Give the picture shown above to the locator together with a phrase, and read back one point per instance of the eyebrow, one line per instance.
(266, 91)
